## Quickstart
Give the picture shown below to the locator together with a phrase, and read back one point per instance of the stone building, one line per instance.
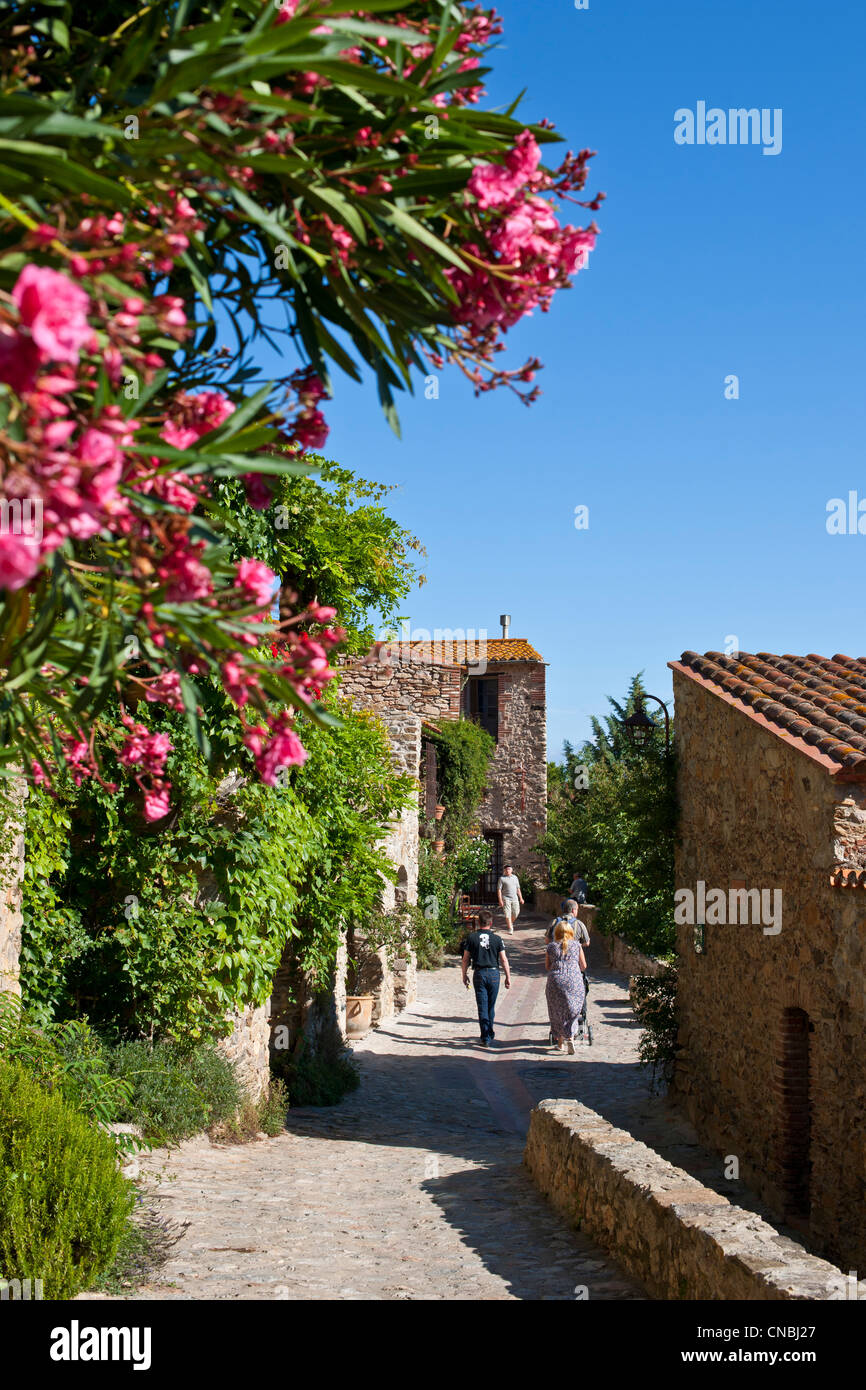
(772, 981)
(503, 687)
(404, 693)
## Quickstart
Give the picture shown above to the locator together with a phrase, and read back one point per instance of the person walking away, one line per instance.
(510, 896)
(568, 911)
(485, 952)
(565, 990)
(578, 889)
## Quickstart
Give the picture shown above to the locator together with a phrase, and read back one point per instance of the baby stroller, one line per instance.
(584, 1027)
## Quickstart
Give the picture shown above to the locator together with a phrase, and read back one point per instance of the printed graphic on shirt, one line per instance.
(485, 939)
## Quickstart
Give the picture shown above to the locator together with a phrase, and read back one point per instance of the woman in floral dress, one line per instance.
(565, 988)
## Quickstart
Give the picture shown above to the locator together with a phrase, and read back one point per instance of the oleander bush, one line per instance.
(64, 1206)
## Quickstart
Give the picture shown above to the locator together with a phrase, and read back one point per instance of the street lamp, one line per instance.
(639, 727)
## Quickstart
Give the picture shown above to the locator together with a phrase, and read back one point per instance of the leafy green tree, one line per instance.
(175, 927)
(612, 814)
(331, 541)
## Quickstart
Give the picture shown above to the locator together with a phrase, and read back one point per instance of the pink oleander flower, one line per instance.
(19, 560)
(55, 312)
(282, 750)
(311, 429)
(145, 750)
(185, 576)
(256, 581)
(193, 416)
(320, 613)
(166, 690)
(156, 802)
(259, 495)
(19, 360)
(237, 681)
(495, 184)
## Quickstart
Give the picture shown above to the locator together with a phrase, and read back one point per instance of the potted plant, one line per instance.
(439, 811)
(359, 1007)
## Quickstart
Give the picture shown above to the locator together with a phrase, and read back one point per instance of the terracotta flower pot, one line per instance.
(359, 1014)
(439, 812)
(438, 846)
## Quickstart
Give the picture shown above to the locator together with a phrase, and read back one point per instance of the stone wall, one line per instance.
(300, 1006)
(248, 1048)
(398, 684)
(318, 1011)
(626, 959)
(758, 813)
(516, 800)
(394, 982)
(679, 1238)
(11, 874)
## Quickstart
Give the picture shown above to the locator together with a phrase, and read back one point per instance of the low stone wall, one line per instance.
(626, 960)
(679, 1238)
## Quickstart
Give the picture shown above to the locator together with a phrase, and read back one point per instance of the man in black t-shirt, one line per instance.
(484, 951)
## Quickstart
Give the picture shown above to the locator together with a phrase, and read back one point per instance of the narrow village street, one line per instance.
(413, 1187)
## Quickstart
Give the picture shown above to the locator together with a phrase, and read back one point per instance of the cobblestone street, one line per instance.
(413, 1187)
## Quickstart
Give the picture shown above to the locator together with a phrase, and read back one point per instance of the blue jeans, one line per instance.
(486, 984)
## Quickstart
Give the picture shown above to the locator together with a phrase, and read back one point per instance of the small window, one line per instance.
(482, 702)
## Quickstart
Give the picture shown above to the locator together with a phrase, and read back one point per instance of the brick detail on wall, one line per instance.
(791, 1093)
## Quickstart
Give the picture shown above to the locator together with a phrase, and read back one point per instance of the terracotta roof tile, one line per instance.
(848, 878)
(494, 649)
(820, 700)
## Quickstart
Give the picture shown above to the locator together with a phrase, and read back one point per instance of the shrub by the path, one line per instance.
(64, 1207)
(176, 1091)
(313, 1080)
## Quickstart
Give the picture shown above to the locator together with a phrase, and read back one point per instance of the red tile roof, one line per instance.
(816, 702)
(493, 649)
(848, 878)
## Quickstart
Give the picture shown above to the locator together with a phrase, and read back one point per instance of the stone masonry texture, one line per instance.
(516, 799)
(678, 1237)
(11, 874)
(784, 1093)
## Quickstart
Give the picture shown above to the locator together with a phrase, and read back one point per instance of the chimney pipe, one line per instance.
(505, 619)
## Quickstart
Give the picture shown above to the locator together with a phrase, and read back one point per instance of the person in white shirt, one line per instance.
(510, 896)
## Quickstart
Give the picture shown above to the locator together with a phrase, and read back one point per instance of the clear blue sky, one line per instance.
(707, 516)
